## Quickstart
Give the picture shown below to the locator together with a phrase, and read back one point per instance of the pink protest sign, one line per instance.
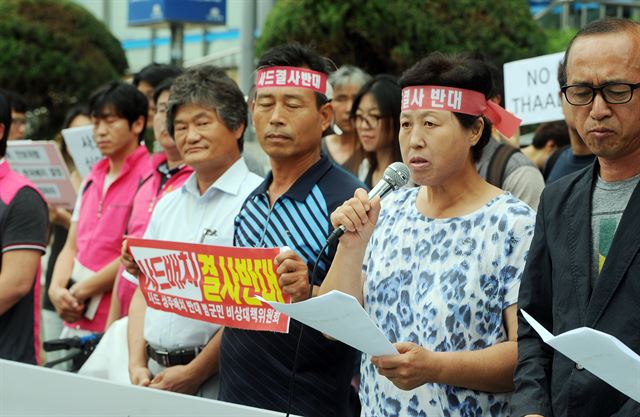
(42, 163)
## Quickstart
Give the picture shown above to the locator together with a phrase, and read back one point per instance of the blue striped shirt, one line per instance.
(255, 367)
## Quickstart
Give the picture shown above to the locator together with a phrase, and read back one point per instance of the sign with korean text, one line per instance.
(217, 284)
(82, 147)
(291, 77)
(42, 163)
(531, 89)
(442, 98)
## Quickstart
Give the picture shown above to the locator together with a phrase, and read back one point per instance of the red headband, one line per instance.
(459, 100)
(292, 77)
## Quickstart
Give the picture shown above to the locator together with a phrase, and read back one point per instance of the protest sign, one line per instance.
(217, 284)
(531, 89)
(42, 163)
(50, 389)
(82, 147)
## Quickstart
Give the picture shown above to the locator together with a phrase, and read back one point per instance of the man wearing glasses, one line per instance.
(584, 262)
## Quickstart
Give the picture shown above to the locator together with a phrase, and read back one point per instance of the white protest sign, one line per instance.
(531, 89)
(42, 163)
(50, 389)
(82, 148)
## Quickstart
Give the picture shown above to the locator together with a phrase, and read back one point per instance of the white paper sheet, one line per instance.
(340, 316)
(601, 354)
(82, 147)
(81, 273)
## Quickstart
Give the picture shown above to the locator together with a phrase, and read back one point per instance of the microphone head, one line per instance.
(397, 175)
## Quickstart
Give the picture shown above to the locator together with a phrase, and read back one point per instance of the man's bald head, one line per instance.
(598, 27)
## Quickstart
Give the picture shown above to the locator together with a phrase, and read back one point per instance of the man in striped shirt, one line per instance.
(23, 239)
(291, 208)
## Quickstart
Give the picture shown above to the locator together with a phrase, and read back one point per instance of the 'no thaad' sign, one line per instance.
(531, 89)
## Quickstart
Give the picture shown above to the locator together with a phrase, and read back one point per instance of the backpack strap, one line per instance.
(498, 164)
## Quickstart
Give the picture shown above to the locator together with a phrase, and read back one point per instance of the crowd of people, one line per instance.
(442, 266)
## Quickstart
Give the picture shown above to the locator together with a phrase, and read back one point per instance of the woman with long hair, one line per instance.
(375, 114)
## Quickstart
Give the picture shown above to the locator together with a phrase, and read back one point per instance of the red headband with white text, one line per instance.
(292, 77)
(459, 100)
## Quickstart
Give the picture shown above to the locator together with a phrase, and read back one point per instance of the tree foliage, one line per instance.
(391, 35)
(54, 53)
(558, 39)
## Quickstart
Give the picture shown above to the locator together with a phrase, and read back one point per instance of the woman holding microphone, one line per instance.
(438, 266)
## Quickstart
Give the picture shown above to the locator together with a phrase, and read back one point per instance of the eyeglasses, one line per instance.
(372, 121)
(612, 93)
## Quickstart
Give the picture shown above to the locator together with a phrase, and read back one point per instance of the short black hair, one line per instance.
(210, 87)
(460, 71)
(17, 102)
(295, 54)
(73, 112)
(165, 85)
(497, 77)
(154, 74)
(5, 119)
(125, 100)
(557, 131)
(597, 27)
(388, 94)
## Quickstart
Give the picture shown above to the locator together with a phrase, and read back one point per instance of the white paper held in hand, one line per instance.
(340, 316)
(600, 353)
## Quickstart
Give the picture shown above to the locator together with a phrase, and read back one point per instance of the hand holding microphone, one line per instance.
(360, 213)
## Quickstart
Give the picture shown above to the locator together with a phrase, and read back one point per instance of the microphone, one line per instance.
(395, 176)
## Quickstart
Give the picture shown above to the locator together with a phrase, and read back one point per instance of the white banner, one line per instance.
(82, 147)
(58, 393)
(531, 89)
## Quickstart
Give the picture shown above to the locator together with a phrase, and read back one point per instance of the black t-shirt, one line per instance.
(23, 226)
(568, 163)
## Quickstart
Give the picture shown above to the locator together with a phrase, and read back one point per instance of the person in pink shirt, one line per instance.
(169, 173)
(23, 239)
(87, 266)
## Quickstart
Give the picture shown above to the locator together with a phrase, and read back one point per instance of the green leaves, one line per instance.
(391, 35)
(55, 52)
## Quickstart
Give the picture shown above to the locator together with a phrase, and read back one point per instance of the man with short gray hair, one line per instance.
(207, 117)
(344, 146)
(583, 265)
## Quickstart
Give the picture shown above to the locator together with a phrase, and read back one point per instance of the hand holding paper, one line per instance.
(601, 354)
(412, 368)
(340, 316)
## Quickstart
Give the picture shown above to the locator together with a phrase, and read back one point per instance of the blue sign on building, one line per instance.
(147, 12)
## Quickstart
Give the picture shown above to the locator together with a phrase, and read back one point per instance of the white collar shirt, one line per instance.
(186, 216)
